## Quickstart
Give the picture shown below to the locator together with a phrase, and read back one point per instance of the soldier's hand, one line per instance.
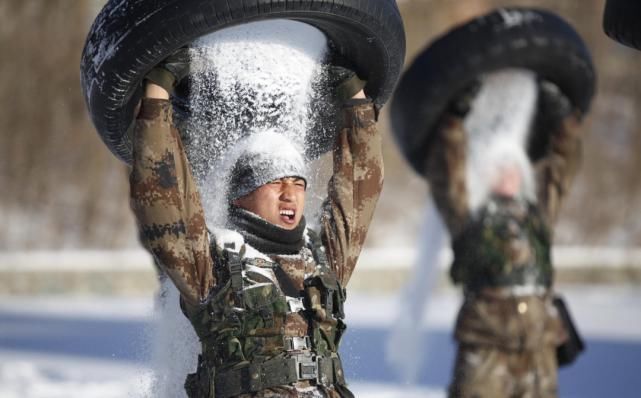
(344, 83)
(342, 78)
(461, 105)
(170, 71)
(553, 106)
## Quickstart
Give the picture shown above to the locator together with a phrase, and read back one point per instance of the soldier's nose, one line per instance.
(286, 195)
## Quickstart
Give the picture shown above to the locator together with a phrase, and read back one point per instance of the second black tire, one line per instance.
(505, 38)
(129, 37)
(622, 22)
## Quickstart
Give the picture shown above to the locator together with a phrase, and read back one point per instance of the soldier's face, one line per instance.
(280, 202)
(508, 182)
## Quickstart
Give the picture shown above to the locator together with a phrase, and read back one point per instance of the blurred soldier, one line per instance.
(508, 329)
(265, 296)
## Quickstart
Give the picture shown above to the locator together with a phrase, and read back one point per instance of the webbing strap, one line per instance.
(318, 251)
(235, 267)
(277, 372)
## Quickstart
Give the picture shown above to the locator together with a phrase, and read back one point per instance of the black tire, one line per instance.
(130, 36)
(505, 38)
(622, 22)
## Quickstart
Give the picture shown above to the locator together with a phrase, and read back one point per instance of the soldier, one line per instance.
(507, 329)
(265, 296)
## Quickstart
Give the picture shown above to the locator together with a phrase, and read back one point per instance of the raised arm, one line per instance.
(354, 187)
(446, 172)
(556, 170)
(165, 199)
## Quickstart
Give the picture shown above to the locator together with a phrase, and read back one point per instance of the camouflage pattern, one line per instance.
(485, 372)
(168, 208)
(446, 171)
(516, 323)
(243, 321)
(556, 171)
(166, 203)
(506, 244)
(507, 328)
(353, 190)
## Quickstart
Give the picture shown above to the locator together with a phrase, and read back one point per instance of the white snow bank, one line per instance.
(76, 260)
(48, 376)
(98, 308)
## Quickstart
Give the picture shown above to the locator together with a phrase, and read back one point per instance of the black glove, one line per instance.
(461, 105)
(170, 71)
(553, 105)
(344, 83)
(342, 79)
(552, 109)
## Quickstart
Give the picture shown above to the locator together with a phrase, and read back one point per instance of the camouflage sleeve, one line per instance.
(556, 171)
(166, 202)
(353, 189)
(446, 173)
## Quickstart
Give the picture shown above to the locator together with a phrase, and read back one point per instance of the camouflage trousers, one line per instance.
(487, 372)
(507, 346)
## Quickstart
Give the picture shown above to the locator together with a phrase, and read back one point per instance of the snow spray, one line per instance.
(248, 79)
(497, 130)
(498, 127)
(405, 343)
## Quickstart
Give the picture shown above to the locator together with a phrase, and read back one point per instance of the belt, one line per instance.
(514, 291)
(277, 372)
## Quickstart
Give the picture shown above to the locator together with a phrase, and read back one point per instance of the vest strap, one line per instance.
(318, 250)
(277, 372)
(235, 269)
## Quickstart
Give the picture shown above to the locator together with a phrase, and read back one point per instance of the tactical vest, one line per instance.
(506, 245)
(241, 327)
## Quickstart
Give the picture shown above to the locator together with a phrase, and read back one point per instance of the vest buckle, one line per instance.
(296, 343)
(295, 304)
(306, 366)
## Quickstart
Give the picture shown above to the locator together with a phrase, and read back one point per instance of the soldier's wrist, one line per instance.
(359, 112)
(154, 108)
(155, 91)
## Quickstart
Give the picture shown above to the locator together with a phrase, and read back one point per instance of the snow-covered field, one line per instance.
(99, 347)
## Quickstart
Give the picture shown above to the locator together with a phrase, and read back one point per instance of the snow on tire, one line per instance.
(130, 36)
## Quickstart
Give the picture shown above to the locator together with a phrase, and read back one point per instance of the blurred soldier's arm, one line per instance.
(354, 187)
(445, 164)
(166, 201)
(556, 170)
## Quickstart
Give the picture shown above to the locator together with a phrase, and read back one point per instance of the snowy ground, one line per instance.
(98, 347)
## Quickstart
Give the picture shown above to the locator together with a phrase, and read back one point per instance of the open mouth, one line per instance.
(287, 215)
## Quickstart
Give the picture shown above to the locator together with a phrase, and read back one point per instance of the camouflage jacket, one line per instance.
(167, 204)
(505, 244)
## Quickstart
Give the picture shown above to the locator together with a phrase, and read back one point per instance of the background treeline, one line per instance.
(61, 188)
